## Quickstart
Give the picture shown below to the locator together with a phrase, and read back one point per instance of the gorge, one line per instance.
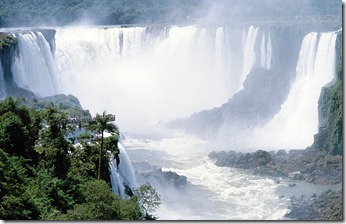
(181, 92)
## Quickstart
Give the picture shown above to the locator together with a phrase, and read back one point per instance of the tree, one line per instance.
(53, 146)
(100, 126)
(18, 129)
(100, 203)
(149, 200)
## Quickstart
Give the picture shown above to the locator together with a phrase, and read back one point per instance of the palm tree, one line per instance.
(102, 124)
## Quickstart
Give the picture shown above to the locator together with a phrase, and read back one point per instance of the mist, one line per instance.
(107, 12)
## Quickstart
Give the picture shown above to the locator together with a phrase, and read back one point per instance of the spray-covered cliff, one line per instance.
(277, 106)
(240, 82)
(330, 109)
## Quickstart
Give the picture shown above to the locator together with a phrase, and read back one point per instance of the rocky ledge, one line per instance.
(156, 176)
(310, 165)
(326, 206)
(314, 166)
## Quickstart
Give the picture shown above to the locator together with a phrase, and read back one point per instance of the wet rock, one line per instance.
(325, 206)
(310, 165)
(292, 184)
(164, 178)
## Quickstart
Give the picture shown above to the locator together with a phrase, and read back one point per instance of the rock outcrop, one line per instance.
(310, 165)
(326, 206)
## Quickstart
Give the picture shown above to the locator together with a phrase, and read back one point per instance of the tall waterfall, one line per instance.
(297, 122)
(122, 175)
(34, 68)
(158, 74)
(249, 51)
(2, 83)
(266, 52)
(146, 75)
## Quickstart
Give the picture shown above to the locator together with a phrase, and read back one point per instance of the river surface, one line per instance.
(212, 192)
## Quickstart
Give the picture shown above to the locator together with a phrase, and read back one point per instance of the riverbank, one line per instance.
(310, 165)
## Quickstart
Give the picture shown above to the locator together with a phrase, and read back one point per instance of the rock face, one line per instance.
(8, 50)
(326, 206)
(310, 165)
(155, 175)
(330, 112)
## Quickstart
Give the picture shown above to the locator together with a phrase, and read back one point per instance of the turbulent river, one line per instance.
(212, 192)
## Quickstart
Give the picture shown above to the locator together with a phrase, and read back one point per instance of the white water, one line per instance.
(266, 52)
(122, 173)
(116, 179)
(151, 78)
(213, 193)
(249, 51)
(297, 122)
(2, 83)
(182, 71)
(34, 69)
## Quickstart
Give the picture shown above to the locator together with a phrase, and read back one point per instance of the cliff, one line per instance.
(8, 51)
(329, 137)
(264, 90)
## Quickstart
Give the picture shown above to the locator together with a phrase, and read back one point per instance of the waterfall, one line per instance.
(269, 52)
(249, 51)
(297, 122)
(116, 180)
(125, 167)
(34, 68)
(122, 175)
(2, 83)
(168, 74)
(266, 52)
(164, 73)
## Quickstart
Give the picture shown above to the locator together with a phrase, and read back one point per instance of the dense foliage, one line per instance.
(43, 175)
(6, 40)
(107, 12)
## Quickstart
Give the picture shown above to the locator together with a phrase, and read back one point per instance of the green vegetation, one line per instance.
(330, 135)
(100, 126)
(6, 40)
(44, 176)
(150, 200)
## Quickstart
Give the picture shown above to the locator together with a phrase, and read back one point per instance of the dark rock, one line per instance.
(325, 206)
(281, 153)
(309, 165)
(164, 178)
(292, 184)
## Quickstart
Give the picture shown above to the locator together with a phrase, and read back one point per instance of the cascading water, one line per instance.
(181, 71)
(297, 122)
(2, 83)
(122, 174)
(266, 52)
(249, 51)
(145, 76)
(34, 69)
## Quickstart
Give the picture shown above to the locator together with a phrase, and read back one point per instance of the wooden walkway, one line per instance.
(73, 120)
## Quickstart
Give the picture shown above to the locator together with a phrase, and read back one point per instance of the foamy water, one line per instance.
(213, 193)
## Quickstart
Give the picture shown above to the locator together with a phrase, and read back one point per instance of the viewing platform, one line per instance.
(74, 120)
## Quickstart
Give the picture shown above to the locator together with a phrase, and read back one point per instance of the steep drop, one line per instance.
(297, 122)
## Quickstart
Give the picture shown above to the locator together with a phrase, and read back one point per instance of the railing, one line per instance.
(88, 119)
